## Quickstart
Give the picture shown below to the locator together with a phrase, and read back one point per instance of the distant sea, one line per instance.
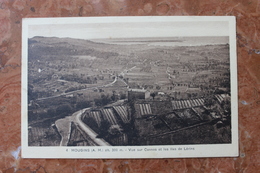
(172, 42)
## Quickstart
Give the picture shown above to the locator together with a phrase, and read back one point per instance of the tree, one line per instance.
(105, 99)
(218, 91)
(82, 104)
(64, 109)
(122, 96)
(226, 105)
(113, 97)
(209, 101)
(153, 95)
(98, 102)
(103, 131)
(115, 130)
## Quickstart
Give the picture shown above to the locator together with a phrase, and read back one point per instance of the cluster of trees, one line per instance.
(113, 133)
(40, 111)
(57, 107)
(144, 86)
(103, 100)
(80, 87)
(79, 79)
(59, 111)
(222, 109)
(32, 95)
(82, 104)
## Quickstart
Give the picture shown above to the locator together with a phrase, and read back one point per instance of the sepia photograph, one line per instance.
(129, 87)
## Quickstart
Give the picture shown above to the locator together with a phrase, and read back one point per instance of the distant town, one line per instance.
(92, 93)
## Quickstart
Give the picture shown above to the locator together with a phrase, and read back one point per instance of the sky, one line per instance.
(100, 28)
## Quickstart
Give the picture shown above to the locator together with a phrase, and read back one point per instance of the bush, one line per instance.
(64, 109)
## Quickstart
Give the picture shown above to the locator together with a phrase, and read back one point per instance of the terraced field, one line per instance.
(39, 135)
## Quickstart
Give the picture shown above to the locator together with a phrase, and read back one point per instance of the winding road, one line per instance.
(64, 128)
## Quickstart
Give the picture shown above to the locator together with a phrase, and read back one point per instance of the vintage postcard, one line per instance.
(129, 87)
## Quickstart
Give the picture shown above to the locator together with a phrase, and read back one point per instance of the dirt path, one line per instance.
(64, 126)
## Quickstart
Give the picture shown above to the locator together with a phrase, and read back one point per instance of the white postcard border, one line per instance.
(163, 151)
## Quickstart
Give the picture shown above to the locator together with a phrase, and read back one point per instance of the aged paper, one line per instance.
(129, 87)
